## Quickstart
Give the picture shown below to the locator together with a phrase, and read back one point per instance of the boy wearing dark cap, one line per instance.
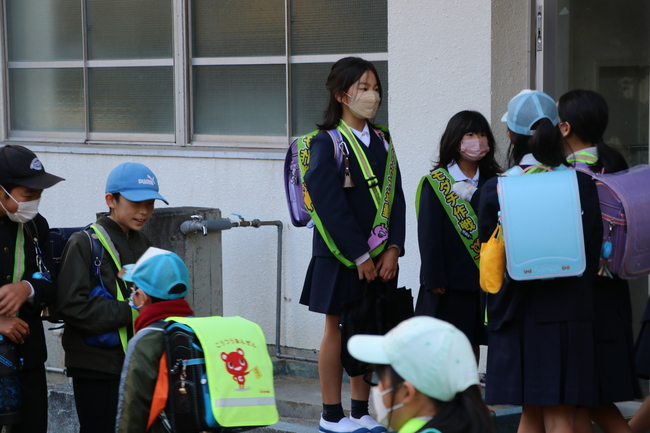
(95, 366)
(25, 287)
(160, 282)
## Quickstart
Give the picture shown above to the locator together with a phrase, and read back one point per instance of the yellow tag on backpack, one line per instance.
(220, 374)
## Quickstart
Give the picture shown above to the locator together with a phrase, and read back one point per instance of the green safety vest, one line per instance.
(459, 211)
(382, 197)
(120, 297)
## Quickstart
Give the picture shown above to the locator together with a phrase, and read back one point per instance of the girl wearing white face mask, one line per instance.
(347, 198)
(427, 378)
(448, 230)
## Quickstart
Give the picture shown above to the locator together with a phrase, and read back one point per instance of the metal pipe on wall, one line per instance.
(197, 225)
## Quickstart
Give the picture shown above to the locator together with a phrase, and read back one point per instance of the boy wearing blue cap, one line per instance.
(93, 362)
(26, 287)
(160, 282)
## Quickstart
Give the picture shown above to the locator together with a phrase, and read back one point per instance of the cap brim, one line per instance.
(142, 195)
(504, 118)
(39, 181)
(128, 273)
(368, 348)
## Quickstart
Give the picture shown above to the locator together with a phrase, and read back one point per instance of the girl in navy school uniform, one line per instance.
(348, 214)
(583, 117)
(449, 279)
(541, 331)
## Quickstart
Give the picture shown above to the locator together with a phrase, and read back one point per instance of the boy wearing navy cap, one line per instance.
(26, 286)
(94, 366)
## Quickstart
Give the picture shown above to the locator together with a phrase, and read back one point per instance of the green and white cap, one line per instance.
(432, 354)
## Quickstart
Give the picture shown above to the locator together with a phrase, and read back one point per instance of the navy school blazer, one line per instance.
(348, 214)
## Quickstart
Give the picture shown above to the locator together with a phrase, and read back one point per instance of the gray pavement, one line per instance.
(298, 399)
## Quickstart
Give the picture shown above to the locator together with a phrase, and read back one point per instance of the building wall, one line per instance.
(442, 59)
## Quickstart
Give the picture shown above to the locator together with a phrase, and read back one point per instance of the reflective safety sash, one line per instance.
(368, 174)
(583, 156)
(120, 297)
(383, 198)
(459, 211)
(239, 369)
(19, 255)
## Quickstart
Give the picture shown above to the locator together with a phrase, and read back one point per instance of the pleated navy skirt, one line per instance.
(329, 284)
(463, 309)
(541, 364)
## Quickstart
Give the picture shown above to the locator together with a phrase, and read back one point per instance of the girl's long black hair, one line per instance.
(460, 124)
(546, 144)
(587, 113)
(344, 73)
(466, 413)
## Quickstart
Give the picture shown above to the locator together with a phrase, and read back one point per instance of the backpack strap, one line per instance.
(531, 169)
(107, 242)
(96, 256)
(341, 154)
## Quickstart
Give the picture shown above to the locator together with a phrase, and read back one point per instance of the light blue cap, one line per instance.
(525, 109)
(157, 272)
(134, 181)
(432, 354)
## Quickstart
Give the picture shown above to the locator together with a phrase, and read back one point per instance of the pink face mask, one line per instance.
(474, 149)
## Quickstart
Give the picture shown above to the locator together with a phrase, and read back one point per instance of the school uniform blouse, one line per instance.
(349, 214)
(560, 299)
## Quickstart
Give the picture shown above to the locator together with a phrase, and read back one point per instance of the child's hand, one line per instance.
(14, 328)
(13, 296)
(367, 270)
(387, 264)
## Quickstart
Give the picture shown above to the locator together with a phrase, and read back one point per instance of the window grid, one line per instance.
(183, 64)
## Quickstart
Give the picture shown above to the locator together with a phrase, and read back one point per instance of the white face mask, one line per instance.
(27, 210)
(378, 403)
(132, 300)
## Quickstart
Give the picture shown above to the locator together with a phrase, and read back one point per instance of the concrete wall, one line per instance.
(438, 64)
(252, 188)
(442, 59)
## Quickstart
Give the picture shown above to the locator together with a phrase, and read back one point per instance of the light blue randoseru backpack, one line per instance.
(542, 224)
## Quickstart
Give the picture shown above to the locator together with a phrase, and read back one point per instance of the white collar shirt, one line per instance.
(455, 172)
(363, 136)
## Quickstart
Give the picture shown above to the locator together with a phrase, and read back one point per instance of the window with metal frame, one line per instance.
(224, 73)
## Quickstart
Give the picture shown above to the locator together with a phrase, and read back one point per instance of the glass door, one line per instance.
(604, 46)
(601, 45)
